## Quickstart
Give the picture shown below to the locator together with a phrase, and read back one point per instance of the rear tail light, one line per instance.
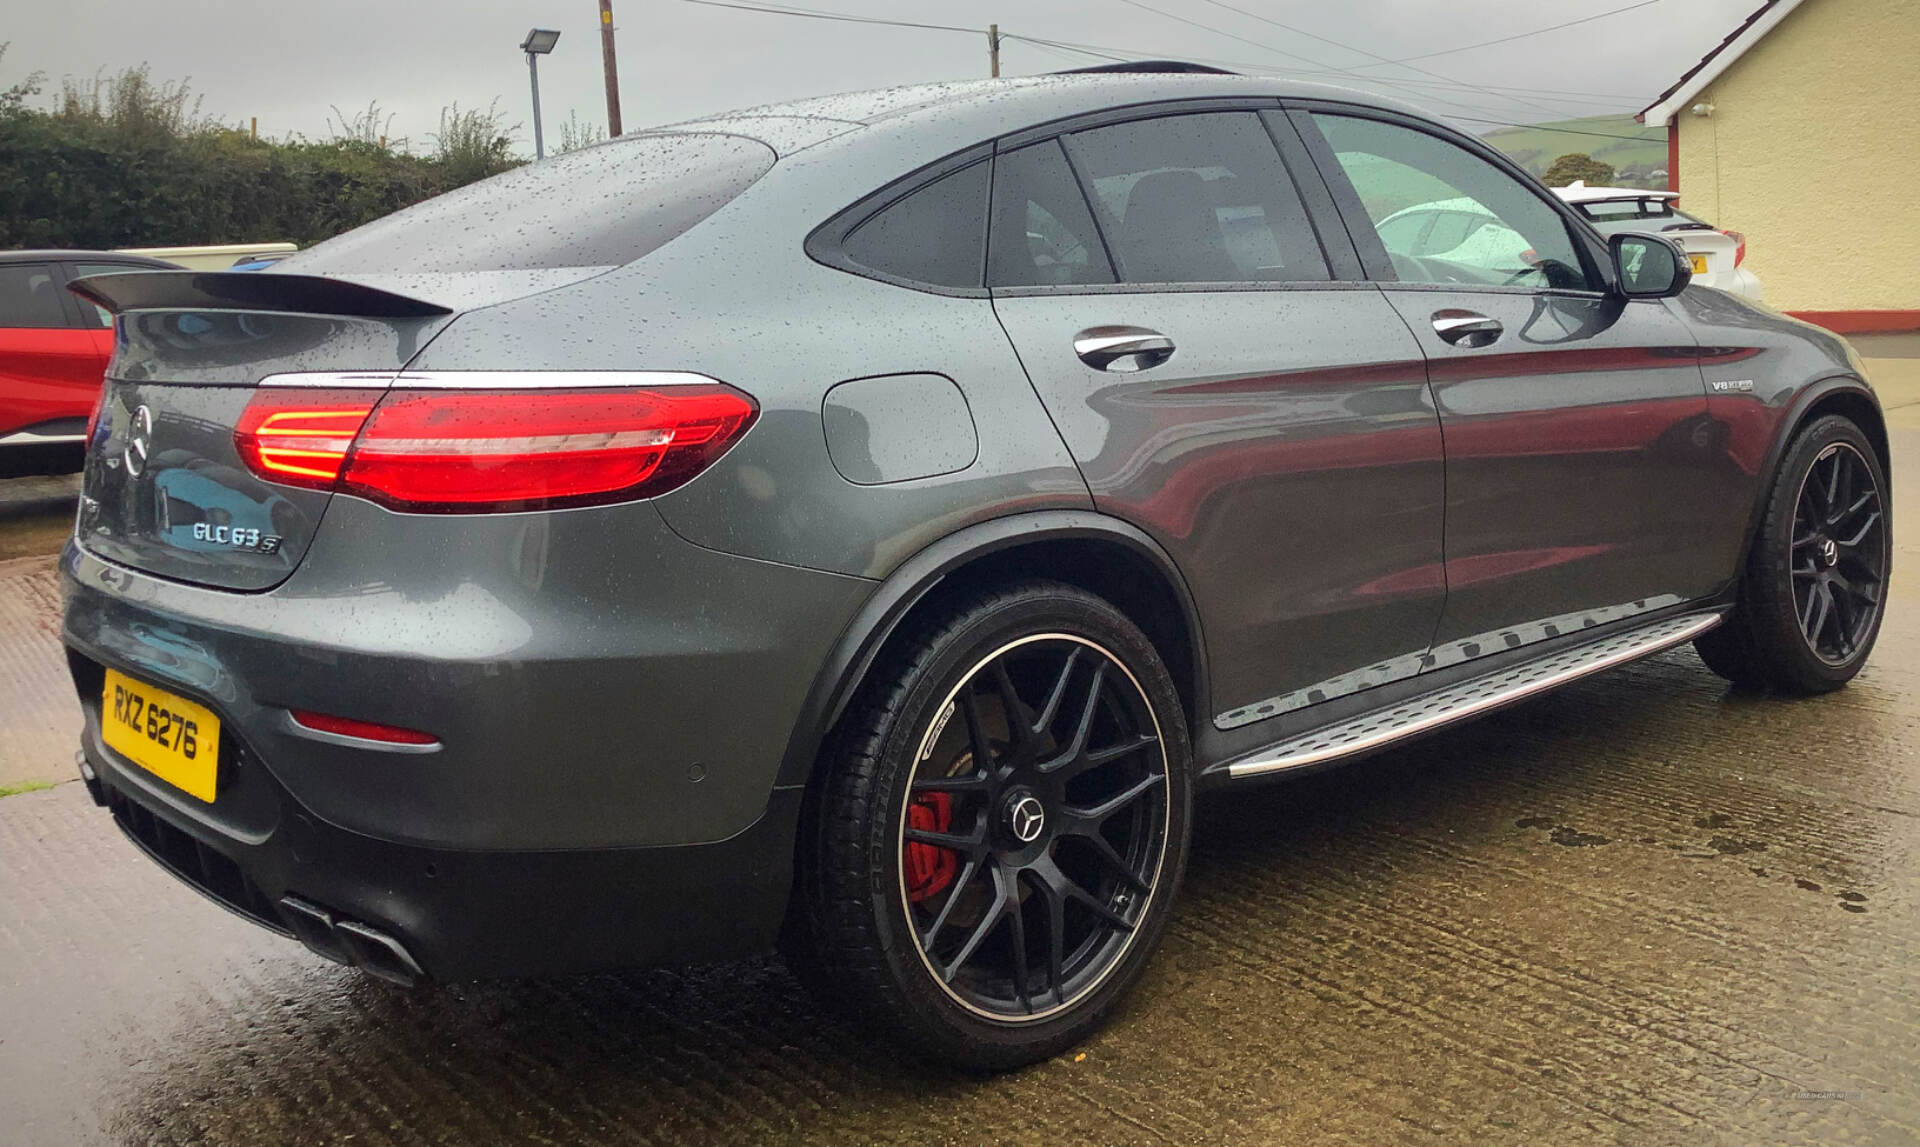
(301, 437)
(365, 730)
(474, 451)
(1739, 245)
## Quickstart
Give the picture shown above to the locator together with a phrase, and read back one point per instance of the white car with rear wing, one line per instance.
(1718, 255)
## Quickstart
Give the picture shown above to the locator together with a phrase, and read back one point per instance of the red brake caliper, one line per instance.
(930, 868)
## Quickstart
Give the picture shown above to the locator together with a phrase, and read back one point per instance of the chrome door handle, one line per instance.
(1466, 328)
(1122, 349)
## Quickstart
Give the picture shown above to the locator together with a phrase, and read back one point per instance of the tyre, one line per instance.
(1813, 591)
(992, 853)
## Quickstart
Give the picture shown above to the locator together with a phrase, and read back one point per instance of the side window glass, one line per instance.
(1198, 199)
(1494, 230)
(29, 296)
(1042, 234)
(1402, 231)
(89, 308)
(936, 235)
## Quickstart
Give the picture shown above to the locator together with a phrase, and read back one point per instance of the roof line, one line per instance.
(1715, 63)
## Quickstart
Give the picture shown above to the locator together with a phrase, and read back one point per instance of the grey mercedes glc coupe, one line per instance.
(860, 526)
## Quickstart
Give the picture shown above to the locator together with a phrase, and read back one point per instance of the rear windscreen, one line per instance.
(1616, 210)
(599, 207)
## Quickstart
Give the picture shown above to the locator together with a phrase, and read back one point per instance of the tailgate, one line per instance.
(165, 489)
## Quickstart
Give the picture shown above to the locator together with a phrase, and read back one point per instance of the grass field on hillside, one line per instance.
(1644, 149)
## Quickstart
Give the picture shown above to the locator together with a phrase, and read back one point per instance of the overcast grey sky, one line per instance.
(290, 63)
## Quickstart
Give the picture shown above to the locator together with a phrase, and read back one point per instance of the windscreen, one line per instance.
(602, 206)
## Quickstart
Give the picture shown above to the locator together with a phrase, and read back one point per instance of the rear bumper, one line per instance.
(1738, 281)
(594, 681)
(451, 915)
(612, 705)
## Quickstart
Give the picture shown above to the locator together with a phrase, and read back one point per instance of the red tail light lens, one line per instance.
(300, 437)
(474, 451)
(1740, 246)
(365, 730)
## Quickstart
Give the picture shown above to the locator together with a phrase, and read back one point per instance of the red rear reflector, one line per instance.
(300, 437)
(365, 730)
(472, 451)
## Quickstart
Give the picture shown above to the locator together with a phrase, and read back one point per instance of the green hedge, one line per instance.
(134, 171)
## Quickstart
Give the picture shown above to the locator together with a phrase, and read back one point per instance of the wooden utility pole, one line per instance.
(993, 50)
(612, 69)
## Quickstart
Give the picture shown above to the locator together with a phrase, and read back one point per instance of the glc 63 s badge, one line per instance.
(237, 537)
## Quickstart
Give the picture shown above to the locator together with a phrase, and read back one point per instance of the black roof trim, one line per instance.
(248, 291)
(1152, 67)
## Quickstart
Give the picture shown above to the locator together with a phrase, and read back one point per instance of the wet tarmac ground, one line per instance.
(1644, 909)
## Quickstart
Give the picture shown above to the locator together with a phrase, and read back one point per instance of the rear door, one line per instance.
(1579, 452)
(49, 366)
(1226, 382)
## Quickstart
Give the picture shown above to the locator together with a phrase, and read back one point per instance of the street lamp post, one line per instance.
(538, 43)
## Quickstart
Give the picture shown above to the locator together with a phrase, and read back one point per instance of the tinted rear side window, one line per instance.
(1043, 234)
(936, 235)
(30, 297)
(1198, 199)
(599, 207)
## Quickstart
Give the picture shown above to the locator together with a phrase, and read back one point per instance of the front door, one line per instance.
(1270, 427)
(1577, 439)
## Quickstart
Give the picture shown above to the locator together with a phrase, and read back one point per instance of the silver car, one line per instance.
(860, 526)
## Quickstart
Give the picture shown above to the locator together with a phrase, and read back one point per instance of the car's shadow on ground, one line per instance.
(742, 1053)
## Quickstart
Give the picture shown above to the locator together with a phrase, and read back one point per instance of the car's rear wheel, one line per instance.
(1814, 589)
(993, 852)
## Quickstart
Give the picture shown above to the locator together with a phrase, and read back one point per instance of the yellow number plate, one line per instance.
(167, 735)
(1699, 264)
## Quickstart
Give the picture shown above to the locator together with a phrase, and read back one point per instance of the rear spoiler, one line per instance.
(248, 291)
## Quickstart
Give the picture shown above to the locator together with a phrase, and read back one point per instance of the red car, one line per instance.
(53, 346)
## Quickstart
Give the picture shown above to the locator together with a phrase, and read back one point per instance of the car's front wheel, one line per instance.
(993, 851)
(1814, 589)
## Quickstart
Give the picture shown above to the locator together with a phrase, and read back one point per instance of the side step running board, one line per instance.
(1470, 698)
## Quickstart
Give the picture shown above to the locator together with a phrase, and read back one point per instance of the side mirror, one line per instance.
(1649, 267)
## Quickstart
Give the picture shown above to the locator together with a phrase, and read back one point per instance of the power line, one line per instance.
(1524, 35)
(1063, 46)
(1373, 55)
(1222, 32)
(815, 14)
(1118, 54)
(1107, 52)
(1559, 130)
(1322, 65)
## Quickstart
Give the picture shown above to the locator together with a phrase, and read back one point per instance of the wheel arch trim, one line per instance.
(877, 621)
(1796, 417)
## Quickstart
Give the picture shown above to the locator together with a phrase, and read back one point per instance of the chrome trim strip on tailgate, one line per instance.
(488, 379)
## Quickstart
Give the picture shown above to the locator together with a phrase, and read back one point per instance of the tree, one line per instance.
(1577, 165)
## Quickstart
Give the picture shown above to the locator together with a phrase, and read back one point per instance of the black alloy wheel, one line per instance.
(1839, 553)
(1812, 592)
(991, 853)
(1036, 829)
